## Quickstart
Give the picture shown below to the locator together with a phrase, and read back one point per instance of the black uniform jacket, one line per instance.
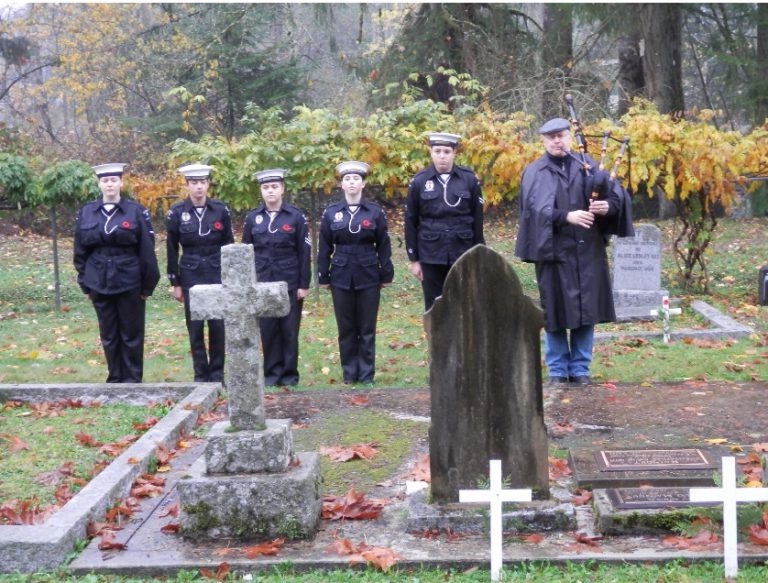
(281, 245)
(116, 254)
(354, 251)
(571, 262)
(201, 241)
(441, 222)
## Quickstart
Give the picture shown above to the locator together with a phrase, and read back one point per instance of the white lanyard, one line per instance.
(109, 215)
(445, 193)
(352, 216)
(272, 217)
(200, 213)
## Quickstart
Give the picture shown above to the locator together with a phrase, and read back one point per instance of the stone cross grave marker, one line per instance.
(239, 300)
(729, 494)
(636, 270)
(485, 378)
(495, 495)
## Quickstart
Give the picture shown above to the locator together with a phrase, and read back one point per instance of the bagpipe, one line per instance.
(600, 183)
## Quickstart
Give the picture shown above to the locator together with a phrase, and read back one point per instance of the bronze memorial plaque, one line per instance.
(641, 498)
(622, 460)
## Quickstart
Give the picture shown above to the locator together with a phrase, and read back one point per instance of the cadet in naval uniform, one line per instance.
(443, 216)
(280, 237)
(114, 256)
(199, 225)
(354, 261)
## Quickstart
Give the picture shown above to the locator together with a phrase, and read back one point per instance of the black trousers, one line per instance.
(356, 312)
(207, 364)
(432, 282)
(121, 328)
(280, 345)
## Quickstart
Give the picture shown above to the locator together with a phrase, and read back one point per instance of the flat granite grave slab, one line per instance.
(670, 467)
(31, 548)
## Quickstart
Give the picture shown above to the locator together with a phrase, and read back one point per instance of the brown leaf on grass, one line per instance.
(88, 440)
(47, 430)
(420, 471)
(700, 541)
(221, 572)
(63, 494)
(532, 538)
(170, 510)
(558, 468)
(587, 540)
(761, 447)
(170, 528)
(299, 425)
(401, 345)
(25, 512)
(108, 542)
(581, 497)
(352, 505)
(269, 548)
(146, 491)
(357, 400)
(53, 477)
(94, 529)
(148, 422)
(338, 453)
(14, 443)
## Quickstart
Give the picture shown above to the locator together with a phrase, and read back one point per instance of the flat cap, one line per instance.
(442, 139)
(271, 175)
(111, 169)
(555, 125)
(352, 167)
(196, 171)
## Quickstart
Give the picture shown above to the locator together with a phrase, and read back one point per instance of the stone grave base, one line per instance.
(537, 516)
(251, 506)
(636, 304)
(249, 451)
(614, 518)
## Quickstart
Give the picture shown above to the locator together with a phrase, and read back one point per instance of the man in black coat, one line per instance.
(564, 230)
(443, 216)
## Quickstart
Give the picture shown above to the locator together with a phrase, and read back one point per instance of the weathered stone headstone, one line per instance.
(485, 379)
(637, 273)
(249, 483)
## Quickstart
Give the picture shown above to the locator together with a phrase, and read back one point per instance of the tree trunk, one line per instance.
(557, 57)
(662, 31)
(631, 78)
(760, 80)
(56, 276)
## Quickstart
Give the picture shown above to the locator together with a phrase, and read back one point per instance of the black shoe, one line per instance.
(582, 380)
(556, 381)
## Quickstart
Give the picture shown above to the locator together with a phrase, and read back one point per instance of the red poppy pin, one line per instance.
(286, 228)
(217, 226)
(126, 225)
(366, 223)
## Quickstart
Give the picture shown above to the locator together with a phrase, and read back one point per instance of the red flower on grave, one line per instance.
(217, 226)
(366, 223)
(286, 228)
(125, 225)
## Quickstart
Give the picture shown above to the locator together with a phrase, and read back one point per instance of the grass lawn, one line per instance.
(39, 344)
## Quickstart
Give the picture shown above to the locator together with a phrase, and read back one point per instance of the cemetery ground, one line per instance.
(647, 394)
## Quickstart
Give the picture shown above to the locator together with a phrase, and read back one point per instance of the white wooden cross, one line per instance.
(495, 495)
(729, 495)
(666, 312)
(239, 300)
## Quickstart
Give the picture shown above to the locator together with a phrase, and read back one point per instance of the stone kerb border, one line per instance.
(724, 327)
(32, 548)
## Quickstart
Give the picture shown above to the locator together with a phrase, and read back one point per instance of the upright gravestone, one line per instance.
(637, 273)
(249, 484)
(485, 379)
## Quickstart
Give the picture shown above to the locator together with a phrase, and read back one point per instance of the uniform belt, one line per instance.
(443, 225)
(202, 250)
(115, 251)
(363, 247)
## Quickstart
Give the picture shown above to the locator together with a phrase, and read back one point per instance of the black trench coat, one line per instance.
(571, 262)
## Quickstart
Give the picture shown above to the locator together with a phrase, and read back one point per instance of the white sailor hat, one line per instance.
(272, 175)
(441, 139)
(352, 167)
(196, 171)
(555, 125)
(112, 169)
